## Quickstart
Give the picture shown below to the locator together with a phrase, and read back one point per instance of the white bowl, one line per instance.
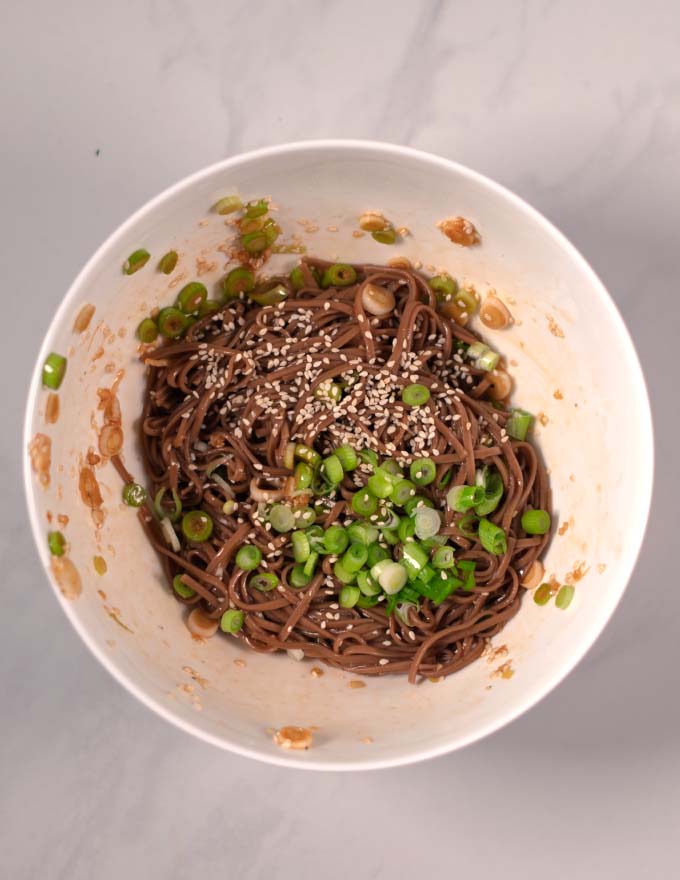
(597, 443)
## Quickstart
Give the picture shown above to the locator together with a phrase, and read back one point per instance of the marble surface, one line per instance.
(575, 106)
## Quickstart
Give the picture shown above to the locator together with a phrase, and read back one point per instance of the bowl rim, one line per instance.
(645, 464)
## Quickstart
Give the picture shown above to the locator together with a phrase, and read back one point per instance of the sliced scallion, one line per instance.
(392, 467)
(297, 577)
(446, 479)
(147, 331)
(491, 482)
(257, 208)
(492, 537)
(209, 307)
(181, 588)
(349, 596)
(56, 543)
(415, 394)
(423, 471)
(390, 575)
(462, 498)
(303, 475)
(310, 456)
(268, 294)
(536, 522)
(364, 502)
(415, 503)
(197, 526)
(414, 558)
(272, 230)
(167, 262)
(385, 236)
(53, 370)
(564, 596)
(369, 457)
(161, 510)
(362, 533)
(232, 621)
(332, 470)
(390, 536)
(444, 558)
(228, 205)
(368, 601)
(367, 584)
(376, 553)
(466, 300)
(427, 521)
(518, 424)
(239, 280)
(310, 564)
(282, 518)
(335, 540)
(542, 594)
(297, 278)
(254, 242)
(347, 457)
(172, 322)
(191, 297)
(339, 275)
(134, 495)
(406, 529)
(300, 544)
(401, 492)
(484, 357)
(381, 483)
(248, 557)
(354, 557)
(315, 536)
(443, 286)
(264, 581)
(342, 573)
(385, 518)
(136, 261)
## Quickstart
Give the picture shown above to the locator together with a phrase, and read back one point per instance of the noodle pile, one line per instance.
(247, 381)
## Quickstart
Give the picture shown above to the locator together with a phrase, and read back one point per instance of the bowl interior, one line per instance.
(571, 359)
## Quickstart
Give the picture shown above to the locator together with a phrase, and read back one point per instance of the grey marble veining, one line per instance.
(575, 106)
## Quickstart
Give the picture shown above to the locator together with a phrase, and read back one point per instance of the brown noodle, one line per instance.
(241, 386)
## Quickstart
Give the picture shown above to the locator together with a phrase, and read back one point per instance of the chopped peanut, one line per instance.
(67, 577)
(110, 440)
(293, 737)
(199, 624)
(40, 451)
(494, 313)
(501, 385)
(373, 221)
(533, 576)
(377, 300)
(83, 318)
(52, 409)
(459, 231)
(400, 263)
(89, 488)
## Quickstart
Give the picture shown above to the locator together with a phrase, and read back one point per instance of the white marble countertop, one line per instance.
(575, 106)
